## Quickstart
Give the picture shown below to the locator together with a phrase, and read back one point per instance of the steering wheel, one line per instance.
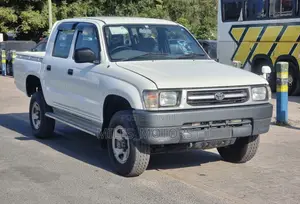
(120, 48)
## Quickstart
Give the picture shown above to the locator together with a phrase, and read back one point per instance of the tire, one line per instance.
(138, 154)
(297, 91)
(47, 125)
(271, 78)
(294, 85)
(243, 150)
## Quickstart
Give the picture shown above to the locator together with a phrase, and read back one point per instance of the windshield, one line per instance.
(151, 42)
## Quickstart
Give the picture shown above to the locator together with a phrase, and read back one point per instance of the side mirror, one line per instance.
(84, 55)
(265, 70)
(237, 64)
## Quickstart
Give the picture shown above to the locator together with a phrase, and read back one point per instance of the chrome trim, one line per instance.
(201, 97)
(75, 111)
(31, 58)
(235, 95)
(213, 96)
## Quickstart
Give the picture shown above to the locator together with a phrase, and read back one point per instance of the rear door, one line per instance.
(55, 65)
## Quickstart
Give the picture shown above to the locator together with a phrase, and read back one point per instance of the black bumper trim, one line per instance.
(157, 128)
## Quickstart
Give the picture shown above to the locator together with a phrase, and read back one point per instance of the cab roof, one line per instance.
(125, 20)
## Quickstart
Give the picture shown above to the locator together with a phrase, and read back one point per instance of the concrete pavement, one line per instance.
(71, 167)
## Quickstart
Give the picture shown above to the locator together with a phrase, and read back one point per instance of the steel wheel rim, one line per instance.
(36, 115)
(120, 144)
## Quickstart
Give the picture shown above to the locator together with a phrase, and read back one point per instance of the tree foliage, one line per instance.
(30, 20)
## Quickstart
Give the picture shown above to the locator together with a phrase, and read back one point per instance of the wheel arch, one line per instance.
(112, 104)
(289, 59)
(258, 59)
(32, 84)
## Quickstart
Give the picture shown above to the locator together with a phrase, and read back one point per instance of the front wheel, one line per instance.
(129, 156)
(243, 150)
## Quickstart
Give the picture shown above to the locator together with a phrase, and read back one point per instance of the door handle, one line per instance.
(48, 67)
(70, 71)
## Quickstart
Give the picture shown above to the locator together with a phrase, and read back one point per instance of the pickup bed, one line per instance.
(142, 86)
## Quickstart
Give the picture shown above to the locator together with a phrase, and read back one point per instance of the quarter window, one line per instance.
(63, 43)
(41, 47)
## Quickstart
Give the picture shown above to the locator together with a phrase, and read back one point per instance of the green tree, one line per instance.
(30, 19)
(7, 18)
(199, 16)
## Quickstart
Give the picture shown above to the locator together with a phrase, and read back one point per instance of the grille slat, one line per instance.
(204, 98)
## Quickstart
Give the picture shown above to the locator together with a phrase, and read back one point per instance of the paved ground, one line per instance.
(71, 168)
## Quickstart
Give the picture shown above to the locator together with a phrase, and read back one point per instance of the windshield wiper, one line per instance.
(143, 55)
(190, 56)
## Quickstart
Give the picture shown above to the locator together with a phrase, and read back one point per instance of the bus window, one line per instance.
(232, 10)
(281, 8)
(297, 7)
(255, 9)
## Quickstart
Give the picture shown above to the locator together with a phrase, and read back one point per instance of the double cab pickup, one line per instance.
(142, 86)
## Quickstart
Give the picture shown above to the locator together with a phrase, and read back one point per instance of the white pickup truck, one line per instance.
(142, 86)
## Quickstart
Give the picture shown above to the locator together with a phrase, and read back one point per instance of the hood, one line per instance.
(192, 74)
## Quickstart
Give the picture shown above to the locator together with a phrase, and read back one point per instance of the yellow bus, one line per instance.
(261, 32)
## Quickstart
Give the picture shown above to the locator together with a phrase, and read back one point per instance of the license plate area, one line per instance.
(214, 130)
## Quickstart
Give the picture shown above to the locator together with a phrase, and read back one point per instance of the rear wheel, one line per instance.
(42, 126)
(129, 156)
(293, 81)
(243, 150)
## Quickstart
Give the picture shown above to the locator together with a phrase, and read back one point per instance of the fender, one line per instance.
(25, 65)
(261, 57)
(127, 91)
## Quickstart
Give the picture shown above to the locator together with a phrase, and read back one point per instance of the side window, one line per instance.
(63, 43)
(41, 47)
(88, 38)
(298, 7)
(232, 10)
(255, 9)
(281, 8)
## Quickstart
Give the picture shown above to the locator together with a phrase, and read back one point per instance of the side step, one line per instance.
(87, 126)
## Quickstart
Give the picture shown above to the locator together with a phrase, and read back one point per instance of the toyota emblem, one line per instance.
(219, 96)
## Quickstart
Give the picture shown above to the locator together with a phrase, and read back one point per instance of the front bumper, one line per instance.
(185, 126)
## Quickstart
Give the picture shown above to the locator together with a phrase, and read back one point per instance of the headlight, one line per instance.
(168, 98)
(259, 93)
(156, 99)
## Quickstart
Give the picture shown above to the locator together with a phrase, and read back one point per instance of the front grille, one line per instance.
(217, 97)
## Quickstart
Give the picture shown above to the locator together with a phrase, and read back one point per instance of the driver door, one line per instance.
(84, 79)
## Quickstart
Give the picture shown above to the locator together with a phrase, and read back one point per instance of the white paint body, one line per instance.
(84, 92)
